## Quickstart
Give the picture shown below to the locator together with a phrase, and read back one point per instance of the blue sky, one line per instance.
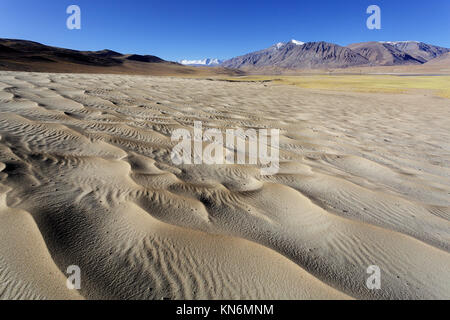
(175, 30)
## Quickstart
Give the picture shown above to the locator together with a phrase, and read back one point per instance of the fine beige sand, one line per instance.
(86, 179)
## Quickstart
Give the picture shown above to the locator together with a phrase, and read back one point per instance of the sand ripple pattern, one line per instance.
(85, 170)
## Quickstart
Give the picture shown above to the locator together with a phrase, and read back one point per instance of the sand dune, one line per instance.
(86, 179)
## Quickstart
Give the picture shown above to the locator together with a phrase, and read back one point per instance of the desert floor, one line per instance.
(86, 179)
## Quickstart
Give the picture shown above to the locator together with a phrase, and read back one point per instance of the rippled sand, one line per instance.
(86, 179)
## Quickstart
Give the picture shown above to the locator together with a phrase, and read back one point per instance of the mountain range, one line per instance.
(319, 55)
(24, 55)
(299, 55)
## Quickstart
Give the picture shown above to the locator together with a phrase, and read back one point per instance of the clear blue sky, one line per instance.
(192, 29)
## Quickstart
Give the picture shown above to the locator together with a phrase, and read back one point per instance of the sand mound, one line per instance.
(86, 179)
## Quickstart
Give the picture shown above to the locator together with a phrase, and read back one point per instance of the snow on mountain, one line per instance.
(201, 62)
(280, 45)
(299, 43)
(216, 62)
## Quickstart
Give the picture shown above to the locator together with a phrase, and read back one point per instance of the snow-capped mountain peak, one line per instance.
(280, 45)
(201, 62)
(298, 43)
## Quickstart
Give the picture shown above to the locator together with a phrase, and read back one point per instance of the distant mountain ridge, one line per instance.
(25, 51)
(420, 50)
(384, 54)
(24, 55)
(299, 55)
(316, 55)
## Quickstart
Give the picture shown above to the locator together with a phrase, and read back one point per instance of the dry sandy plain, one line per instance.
(86, 179)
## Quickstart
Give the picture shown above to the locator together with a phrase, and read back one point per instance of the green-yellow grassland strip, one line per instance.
(439, 85)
